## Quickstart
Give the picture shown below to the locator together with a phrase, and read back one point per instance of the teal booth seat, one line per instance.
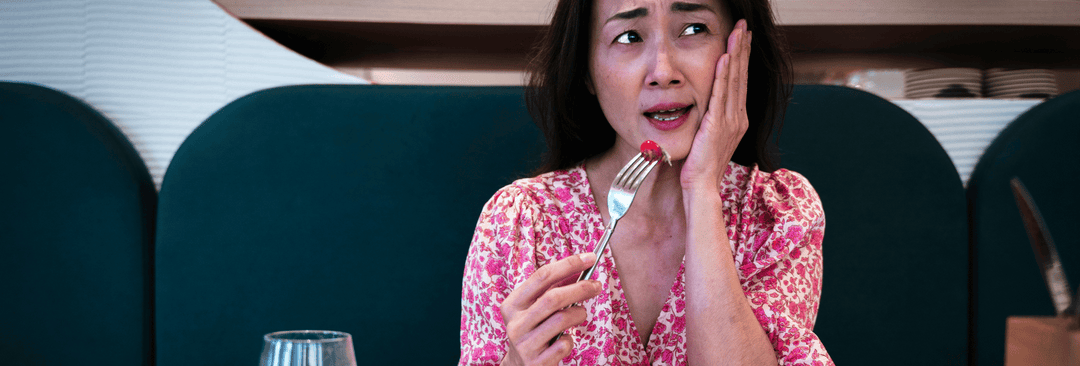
(1041, 147)
(346, 208)
(77, 209)
(895, 283)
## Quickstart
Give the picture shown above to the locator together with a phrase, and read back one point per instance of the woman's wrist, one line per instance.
(702, 189)
(704, 198)
(703, 182)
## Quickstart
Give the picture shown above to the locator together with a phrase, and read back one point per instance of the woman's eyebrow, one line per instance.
(630, 14)
(689, 7)
(678, 6)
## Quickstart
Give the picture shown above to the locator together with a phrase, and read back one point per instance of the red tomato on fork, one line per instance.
(652, 151)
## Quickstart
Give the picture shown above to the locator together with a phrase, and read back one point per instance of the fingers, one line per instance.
(556, 352)
(559, 322)
(534, 345)
(732, 44)
(745, 69)
(718, 101)
(728, 101)
(739, 49)
(538, 339)
(549, 355)
(538, 297)
(537, 310)
(545, 278)
(556, 299)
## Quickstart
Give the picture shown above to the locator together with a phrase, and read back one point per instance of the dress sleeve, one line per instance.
(501, 256)
(782, 273)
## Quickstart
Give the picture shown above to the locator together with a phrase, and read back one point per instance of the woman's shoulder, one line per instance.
(783, 193)
(556, 188)
(788, 185)
(779, 216)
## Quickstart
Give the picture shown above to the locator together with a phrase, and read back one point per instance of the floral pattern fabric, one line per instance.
(775, 226)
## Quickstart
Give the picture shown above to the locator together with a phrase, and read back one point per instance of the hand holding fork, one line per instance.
(538, 312)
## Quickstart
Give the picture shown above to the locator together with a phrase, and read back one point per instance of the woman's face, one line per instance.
(652, 64)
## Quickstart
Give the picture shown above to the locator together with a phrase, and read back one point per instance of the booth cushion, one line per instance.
(1041, 147)
(347, 208)
(76, 230)
(894, 289)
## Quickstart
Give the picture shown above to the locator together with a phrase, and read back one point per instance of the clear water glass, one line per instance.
(308, 348)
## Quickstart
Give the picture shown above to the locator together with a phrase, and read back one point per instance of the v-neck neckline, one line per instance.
(652, 345)
(651, 349)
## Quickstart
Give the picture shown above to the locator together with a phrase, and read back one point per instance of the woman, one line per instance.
(718, 261)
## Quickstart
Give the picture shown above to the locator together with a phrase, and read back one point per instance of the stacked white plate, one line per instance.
(943, 83)
(1027, 83)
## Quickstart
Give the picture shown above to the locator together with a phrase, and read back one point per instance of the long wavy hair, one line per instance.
(573, 123)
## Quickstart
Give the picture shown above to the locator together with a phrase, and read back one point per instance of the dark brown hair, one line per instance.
(574, 125)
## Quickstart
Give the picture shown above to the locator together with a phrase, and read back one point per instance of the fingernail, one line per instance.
(741, 24)
(587, 257)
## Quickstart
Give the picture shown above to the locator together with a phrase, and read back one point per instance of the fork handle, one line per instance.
(599, 250)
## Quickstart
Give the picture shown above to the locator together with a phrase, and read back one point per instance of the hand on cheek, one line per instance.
(725, 119)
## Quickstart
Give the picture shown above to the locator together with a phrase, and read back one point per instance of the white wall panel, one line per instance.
(156, 68)
(966, 127)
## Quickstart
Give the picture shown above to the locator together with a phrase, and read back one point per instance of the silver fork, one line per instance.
(619, 198)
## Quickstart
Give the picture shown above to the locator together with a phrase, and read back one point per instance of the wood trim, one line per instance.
(488, 47)
(405, 46)
(928, 12)
(481, 12)
(788, 12)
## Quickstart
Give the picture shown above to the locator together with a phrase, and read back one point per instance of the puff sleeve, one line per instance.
(501, 256)
(781, 224)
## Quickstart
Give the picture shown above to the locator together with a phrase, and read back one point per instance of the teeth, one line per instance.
(656, 115)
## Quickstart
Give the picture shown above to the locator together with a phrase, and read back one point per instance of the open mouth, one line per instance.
(669, 114)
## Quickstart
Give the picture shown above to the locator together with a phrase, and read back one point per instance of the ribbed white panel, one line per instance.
(54, 58)
(966, 127)
(156, 68)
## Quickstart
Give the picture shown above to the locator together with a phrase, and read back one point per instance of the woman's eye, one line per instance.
(695, 29)
(628, 37)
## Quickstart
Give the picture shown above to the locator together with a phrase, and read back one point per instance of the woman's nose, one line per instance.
(663, 72)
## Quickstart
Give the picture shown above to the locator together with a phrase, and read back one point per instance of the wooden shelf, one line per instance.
(400, 45)
(928, 12)
(788, 12)
(489, 47)
(476, 12)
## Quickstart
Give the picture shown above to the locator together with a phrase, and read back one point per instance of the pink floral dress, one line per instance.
(775, 226)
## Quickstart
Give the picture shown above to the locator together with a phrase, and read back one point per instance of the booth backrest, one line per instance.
(351, 208)
(77, 210)
(894, 290)
(347, 208)
(1041, 147)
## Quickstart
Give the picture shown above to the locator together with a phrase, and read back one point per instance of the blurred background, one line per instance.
(274, 85)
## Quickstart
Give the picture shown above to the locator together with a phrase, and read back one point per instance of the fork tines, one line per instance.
(634, 173)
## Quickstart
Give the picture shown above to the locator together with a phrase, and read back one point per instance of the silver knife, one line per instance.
(1045, 251)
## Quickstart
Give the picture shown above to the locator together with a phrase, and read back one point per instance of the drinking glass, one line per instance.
(307, 348)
